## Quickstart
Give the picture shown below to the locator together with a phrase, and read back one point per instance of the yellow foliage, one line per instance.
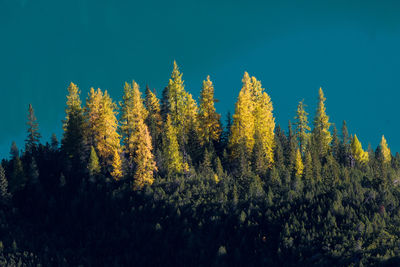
(172, 156)
(387, 155)
(116, 165)
(358, 153)
(321, 133)
(299, 166)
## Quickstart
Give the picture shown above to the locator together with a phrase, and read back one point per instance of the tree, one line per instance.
(386, 154)
(264, 121)
(321, 134)
(102, 128)
(358, 153)
(209, 127)
(32, 140)
(132, 113)
(18, 178)
(4, 194)
(14, 152)
(154, 119)
(72, 143)
(144, 159)
(242, 129)
(172, 156)
(93, 165)
(302, 128)
(299, 167)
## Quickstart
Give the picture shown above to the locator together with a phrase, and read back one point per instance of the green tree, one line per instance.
(154, 119)
(93, 165)
(172, 156)
(32, 140)
(302, 128)
(321, 134)
(4, 194)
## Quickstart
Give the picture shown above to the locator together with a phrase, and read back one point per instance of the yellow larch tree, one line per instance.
(299, 166)
(144, 159)
(321, 134)
(385, 150)
(209, 126)
(154, 119)
(242, 129)
(172, 156)
(357, 151)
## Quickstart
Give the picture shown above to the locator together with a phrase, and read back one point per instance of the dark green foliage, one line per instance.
(32, 139)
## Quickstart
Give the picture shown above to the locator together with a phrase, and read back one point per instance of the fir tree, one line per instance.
(172, 156)
(299, 167)
(93, 165)
(32, 140)
(4, 194)
(154, 119)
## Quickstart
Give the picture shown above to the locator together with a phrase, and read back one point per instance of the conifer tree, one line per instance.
(172, 156)
(102, 128)
(302, 127)
(264, 121)
(154, 119)
(4, 194)
(321, 134)
(14, 152)
(242, 130)
(299, 167)
(17, 178)
(386, 154)
(132, 113)
(93, 165)
(209, 127)
(358, 153)
(54, 142)
(72, 143)
(32, 140)
(144, 159)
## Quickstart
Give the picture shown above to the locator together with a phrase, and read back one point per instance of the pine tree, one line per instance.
(93, 165)
(242, 130)
(72, 143)
(32, 140)
(386, 154)
(302, 128)
(144, 159)
(4, 194)
(299, 167)
(321, 134)
(17, 178)
(209, 127)
(358, 153)
(154, 119)
(172, 157)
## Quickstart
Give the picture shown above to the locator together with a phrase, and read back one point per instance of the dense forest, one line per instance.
(162, 181)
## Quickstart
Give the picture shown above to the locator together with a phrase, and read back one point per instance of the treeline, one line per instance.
(161, 181)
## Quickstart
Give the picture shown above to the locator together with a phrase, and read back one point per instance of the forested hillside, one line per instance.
(161, 181)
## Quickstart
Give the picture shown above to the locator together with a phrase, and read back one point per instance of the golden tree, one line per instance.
(357, 151)
(321, 134)
(385, 150)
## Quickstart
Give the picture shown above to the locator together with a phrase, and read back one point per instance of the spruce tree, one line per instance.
(154, 119)
(171, 154)
(32, 140)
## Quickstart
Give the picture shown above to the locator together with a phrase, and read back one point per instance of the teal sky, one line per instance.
(350, 48)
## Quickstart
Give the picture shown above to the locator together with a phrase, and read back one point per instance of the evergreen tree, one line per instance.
(18, 178)
(302, 128)
(154, 119)
(72, 143)
(14, 152)
(299, 167)
(32, 140)
(358, 153)
(385, 151)
(116, 166)
(93, 165)
(209, 127)
(54, 142)
(321, 135)
(4, 194)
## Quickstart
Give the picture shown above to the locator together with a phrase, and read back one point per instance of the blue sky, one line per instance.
(349, 48)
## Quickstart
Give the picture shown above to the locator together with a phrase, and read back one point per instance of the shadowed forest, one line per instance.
(165, 181)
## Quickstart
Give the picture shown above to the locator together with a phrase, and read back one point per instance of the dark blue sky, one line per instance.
(350, 48)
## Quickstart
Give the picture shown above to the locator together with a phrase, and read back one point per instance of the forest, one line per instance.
(165, 181)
